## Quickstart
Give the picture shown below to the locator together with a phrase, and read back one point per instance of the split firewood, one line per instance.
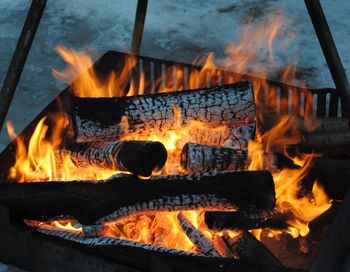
(196, 158)
(249, 249)
(244, 221)
(123, 195)
(232, 105)
(332, 143)
(136, 157)
(138, 255)
(308, 125)
(200, 241)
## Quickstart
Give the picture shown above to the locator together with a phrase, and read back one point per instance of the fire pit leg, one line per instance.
(330, 52)
(138, 26)
(20, 56)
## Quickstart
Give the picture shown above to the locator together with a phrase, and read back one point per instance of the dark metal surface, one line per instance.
(138, 26)
(20, 56)
(330, 52)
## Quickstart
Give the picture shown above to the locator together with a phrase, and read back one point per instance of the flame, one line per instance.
(38, 160)
(41, 161)
(85, 81)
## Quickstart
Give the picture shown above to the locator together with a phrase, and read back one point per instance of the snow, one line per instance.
(176, 30)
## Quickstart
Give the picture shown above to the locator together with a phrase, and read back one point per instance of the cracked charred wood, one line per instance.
(196, 158)
(248, 249)
(146, 257)
(336, 245)
(122, 195)
(136, 157)
(332, 174)
(231, 105)
(202, 243)
(243, 221)
(330, 143)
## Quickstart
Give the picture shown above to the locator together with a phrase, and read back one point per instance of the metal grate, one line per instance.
(282, 98)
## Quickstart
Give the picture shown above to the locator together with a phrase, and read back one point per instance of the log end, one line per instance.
(151, 156)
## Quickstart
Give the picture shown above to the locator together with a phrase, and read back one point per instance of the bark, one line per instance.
(306, 125)
(249, 249)
(151, 258)
(136, 157)
(202, 243)
(332, 143)
(101, 118)
(197, 158)
(122, 195)
(239, 220)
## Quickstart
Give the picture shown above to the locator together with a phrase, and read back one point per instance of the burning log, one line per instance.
(122, 195)
(306, 125)
(202, 243)
(229, 104)
(326, 142)
(136, 157)
(239, 220)
(151, 258)
(249, 249)
(196, 158)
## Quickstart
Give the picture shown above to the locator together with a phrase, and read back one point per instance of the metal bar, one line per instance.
(138, 26)
(20, 56)
(330, 52)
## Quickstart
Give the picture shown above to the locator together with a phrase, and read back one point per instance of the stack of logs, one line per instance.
(212, 182)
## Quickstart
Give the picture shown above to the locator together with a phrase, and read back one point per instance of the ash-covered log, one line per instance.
(243, 221)
(122, 195)
(249, 249)
(202, 243)
(136, 157)
(196, 158)
(331, 143)
(101, 118)
(153, 258)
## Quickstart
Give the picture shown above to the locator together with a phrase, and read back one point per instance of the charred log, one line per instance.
(249, 249)
(239, 220)
(333, 143)
(136, 157)
(306, 125)
(202, 243)
(123, 195)
(229, 104)
(152, 258)
(196, 158)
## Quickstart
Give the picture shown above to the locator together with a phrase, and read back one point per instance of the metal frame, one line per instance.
(20, 56)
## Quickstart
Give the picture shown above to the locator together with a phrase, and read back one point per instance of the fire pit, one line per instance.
(164, 166)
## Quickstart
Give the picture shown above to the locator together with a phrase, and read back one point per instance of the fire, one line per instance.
(39, 161)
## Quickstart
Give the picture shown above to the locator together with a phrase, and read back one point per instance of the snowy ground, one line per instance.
(176, 30)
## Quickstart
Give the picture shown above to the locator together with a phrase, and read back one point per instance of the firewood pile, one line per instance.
(206, 173)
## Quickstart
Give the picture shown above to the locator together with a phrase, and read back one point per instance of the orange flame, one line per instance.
(41, 161)
(37, 160)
